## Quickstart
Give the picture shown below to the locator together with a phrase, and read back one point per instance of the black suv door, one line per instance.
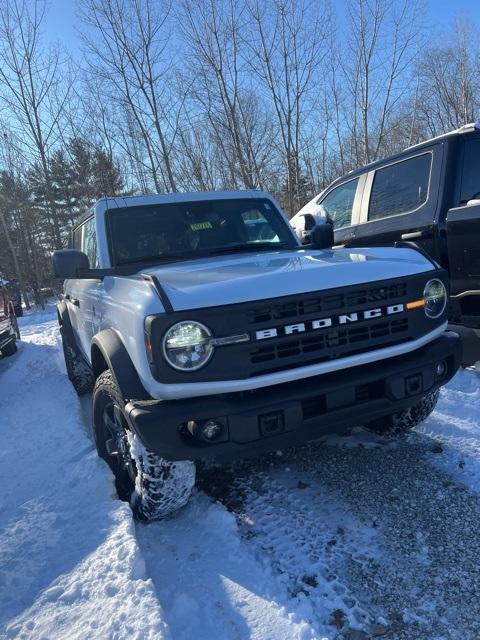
(400, 200)
(463, 234)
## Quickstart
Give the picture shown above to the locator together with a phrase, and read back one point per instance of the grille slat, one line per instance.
(282, 348)
(327, 303)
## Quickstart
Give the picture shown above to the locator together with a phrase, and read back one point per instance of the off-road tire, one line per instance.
(155, 487)
(78, 371)
(404, 421)
(9, 349)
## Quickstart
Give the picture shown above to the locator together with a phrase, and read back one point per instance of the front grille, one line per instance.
(343, 337)
(262, 355)
(325, 303)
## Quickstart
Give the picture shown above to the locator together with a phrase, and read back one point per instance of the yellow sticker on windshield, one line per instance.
(200, 226)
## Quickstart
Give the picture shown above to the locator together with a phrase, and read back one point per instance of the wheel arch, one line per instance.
(109, 352)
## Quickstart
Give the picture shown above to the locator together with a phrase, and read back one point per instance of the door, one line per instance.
(70, 288)
(400, 202)
(82, 294)
(463, 235)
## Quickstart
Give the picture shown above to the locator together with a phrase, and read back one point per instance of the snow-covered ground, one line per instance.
(353, 538)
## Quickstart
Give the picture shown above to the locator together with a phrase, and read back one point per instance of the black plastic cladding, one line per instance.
(253, 358)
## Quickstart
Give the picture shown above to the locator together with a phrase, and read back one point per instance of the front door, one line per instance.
(400, 201)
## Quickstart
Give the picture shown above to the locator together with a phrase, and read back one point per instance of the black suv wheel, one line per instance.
(403, 421)
(155, 487)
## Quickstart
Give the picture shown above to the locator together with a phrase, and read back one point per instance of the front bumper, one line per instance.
(279, 416)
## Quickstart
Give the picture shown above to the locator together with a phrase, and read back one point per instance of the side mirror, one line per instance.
(322, 236)
(69, 264)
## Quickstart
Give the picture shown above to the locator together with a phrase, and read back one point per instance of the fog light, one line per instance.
(441, 369)
(211, 430)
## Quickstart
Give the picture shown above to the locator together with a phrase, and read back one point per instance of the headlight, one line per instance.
(435, 296)
(187, 345)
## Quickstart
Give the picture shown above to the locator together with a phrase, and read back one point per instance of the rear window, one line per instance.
(400, 187)
(191, 228)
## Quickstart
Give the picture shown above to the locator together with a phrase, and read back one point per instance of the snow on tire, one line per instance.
(403, 421)
(154, 486)
(161, 486)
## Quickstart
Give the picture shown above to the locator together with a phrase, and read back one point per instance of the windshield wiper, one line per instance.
(250, 246)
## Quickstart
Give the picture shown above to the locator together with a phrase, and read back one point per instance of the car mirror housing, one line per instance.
(322, 236)
(70, 264)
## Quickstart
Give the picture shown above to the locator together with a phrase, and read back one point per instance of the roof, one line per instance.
(466, 128)
(167, 198)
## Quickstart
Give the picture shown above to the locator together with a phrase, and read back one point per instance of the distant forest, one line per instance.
(280, 95)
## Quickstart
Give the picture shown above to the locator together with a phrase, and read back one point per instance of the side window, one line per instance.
(400, 187)
(89, 244)
(338, 204)
(471, 172)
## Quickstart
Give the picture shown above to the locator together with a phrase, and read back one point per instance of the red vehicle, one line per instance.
(9, 332)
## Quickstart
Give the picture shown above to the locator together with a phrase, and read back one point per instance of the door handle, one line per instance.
(414, 235)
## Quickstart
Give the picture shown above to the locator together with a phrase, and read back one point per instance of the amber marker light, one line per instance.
(415, 304)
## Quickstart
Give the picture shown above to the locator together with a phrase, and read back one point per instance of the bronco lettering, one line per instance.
(324, 323)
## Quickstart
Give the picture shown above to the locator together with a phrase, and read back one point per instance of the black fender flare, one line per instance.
(108, 351)
(66, 328)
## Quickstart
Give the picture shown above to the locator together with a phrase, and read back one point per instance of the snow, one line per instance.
(70, 561)
(353, 538)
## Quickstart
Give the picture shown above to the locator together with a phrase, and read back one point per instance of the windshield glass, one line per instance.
(188, 229)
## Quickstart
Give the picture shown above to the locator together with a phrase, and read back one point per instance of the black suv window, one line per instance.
(89, 244)
(400, 187)
(471, 172)
(338, 204)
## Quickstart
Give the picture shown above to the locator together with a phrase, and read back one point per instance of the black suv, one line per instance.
(428, 195)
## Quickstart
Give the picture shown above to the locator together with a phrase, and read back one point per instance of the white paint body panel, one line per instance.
(220, 280)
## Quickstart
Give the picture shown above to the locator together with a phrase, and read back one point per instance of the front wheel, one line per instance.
(155, 487)
(403, 421)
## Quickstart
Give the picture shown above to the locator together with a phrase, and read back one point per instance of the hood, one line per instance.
(222, 280)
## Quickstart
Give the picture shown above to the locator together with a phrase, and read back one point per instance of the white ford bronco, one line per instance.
(207, 332)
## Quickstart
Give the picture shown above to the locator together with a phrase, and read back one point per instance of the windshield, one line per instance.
(187, 229)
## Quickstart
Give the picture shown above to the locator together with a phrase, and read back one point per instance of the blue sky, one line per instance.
(61, 22)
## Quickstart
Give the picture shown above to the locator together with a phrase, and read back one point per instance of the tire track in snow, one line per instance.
(371, 536)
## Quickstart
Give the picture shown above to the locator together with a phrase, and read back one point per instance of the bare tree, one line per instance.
(221, 92)
(128, 46)
(449, 93)
(379, 72)
(286, 44)
(32, 90)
